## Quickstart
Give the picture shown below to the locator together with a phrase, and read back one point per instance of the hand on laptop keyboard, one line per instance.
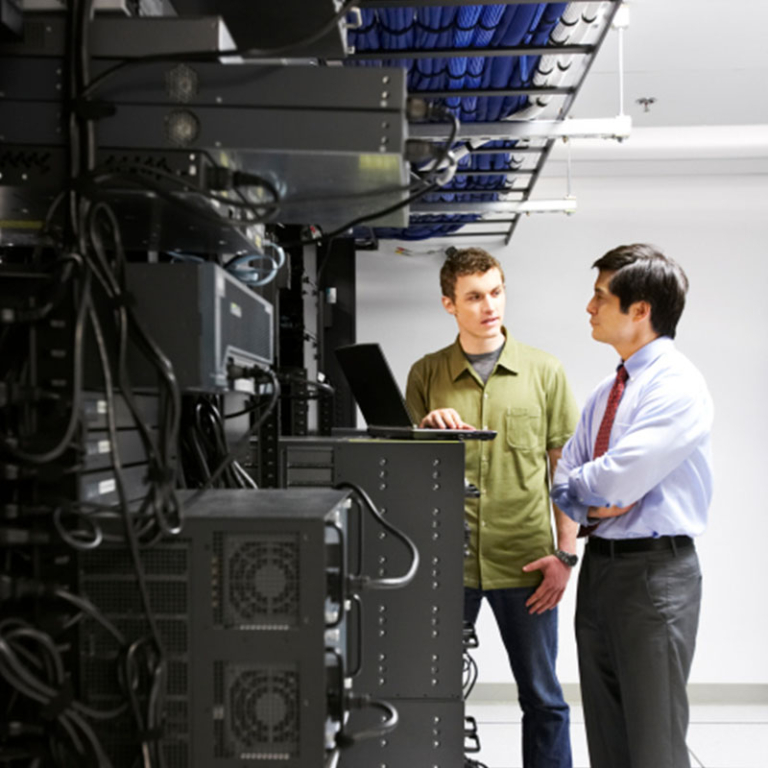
(444, 418)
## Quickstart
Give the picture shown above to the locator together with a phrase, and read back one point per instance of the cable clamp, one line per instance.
(357, 700)
(235, 371)
(358, 583)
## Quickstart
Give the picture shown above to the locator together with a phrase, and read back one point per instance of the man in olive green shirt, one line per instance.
(486, 379)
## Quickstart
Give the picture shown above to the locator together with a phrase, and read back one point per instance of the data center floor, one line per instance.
(720, 736)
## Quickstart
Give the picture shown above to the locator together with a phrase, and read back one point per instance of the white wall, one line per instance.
(717, 228)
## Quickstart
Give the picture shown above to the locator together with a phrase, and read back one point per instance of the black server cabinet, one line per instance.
(241, 601)
(411, 649)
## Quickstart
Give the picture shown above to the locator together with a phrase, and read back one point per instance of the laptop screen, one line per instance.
(373, 385)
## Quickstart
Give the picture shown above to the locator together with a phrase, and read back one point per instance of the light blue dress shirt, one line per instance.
(659, 455)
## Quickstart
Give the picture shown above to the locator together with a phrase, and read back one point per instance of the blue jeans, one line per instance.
(531, 643)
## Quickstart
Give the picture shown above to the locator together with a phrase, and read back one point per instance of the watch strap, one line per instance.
(566, 557)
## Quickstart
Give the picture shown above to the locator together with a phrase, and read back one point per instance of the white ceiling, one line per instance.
(705, 62)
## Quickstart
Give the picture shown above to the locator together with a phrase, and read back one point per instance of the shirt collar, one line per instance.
(508, 359)
(647, 355)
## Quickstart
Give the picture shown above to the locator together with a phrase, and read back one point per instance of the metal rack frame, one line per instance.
(500, 130)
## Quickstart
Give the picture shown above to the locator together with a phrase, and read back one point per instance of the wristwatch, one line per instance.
(566, 557)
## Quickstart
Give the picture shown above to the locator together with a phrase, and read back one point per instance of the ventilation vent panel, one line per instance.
(256, 581)
(257, 712)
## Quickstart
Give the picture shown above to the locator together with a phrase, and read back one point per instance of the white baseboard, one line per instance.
(698, 693)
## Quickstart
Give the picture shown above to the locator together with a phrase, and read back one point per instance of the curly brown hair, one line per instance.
(465, 261)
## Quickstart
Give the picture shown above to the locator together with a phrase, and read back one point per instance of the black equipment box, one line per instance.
(429, 733)
(411, 649)
(331, 140)
(115, 37)
(203, 319)
(240, 600)
(415, 632)
(265, 24)
(94, 410)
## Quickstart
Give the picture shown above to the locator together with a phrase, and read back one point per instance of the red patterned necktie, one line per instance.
(604, 433)
(606, 425)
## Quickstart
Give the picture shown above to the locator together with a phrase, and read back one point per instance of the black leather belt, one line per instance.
(613, 547)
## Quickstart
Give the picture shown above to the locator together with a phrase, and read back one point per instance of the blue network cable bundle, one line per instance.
(457, 27)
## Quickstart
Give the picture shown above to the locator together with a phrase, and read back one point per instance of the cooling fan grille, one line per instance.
(256, 581)
(258, 711)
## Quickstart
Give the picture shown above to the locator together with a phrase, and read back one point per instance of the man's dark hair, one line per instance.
(644, 274)
(465, 261)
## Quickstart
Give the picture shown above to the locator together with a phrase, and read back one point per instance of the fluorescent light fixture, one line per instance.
(517, 130)
(693, 142)
(566, 205)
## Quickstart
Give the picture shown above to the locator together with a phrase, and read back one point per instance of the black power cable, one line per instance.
(43, 679)
(204, 445)
(370, 216)
(353, 701)
(248, 409)
(156, 661)
(140, 176)
(469, 676)
(160, 455)
(61, 282)
(246, 438)
(439, 113)
(354, 222)
(65, 440)
(326, 389)
(470, 763)
(71, 736)
(262, 212)
(397, 582)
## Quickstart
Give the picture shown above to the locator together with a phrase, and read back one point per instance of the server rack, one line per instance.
(241, 601)
(408, 645)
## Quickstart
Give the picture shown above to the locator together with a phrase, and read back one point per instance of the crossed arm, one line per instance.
(666, 427)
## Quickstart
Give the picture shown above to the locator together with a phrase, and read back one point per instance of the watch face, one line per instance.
(567, 557)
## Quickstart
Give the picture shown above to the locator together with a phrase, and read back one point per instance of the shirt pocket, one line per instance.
(524, 427)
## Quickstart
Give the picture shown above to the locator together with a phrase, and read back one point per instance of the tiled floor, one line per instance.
(732, 736)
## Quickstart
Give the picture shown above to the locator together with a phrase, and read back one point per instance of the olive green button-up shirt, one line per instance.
(527, 400)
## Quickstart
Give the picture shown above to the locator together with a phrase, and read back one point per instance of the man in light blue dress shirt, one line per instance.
(644, 495)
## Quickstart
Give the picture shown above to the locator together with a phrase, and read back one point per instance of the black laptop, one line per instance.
(375, 389)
